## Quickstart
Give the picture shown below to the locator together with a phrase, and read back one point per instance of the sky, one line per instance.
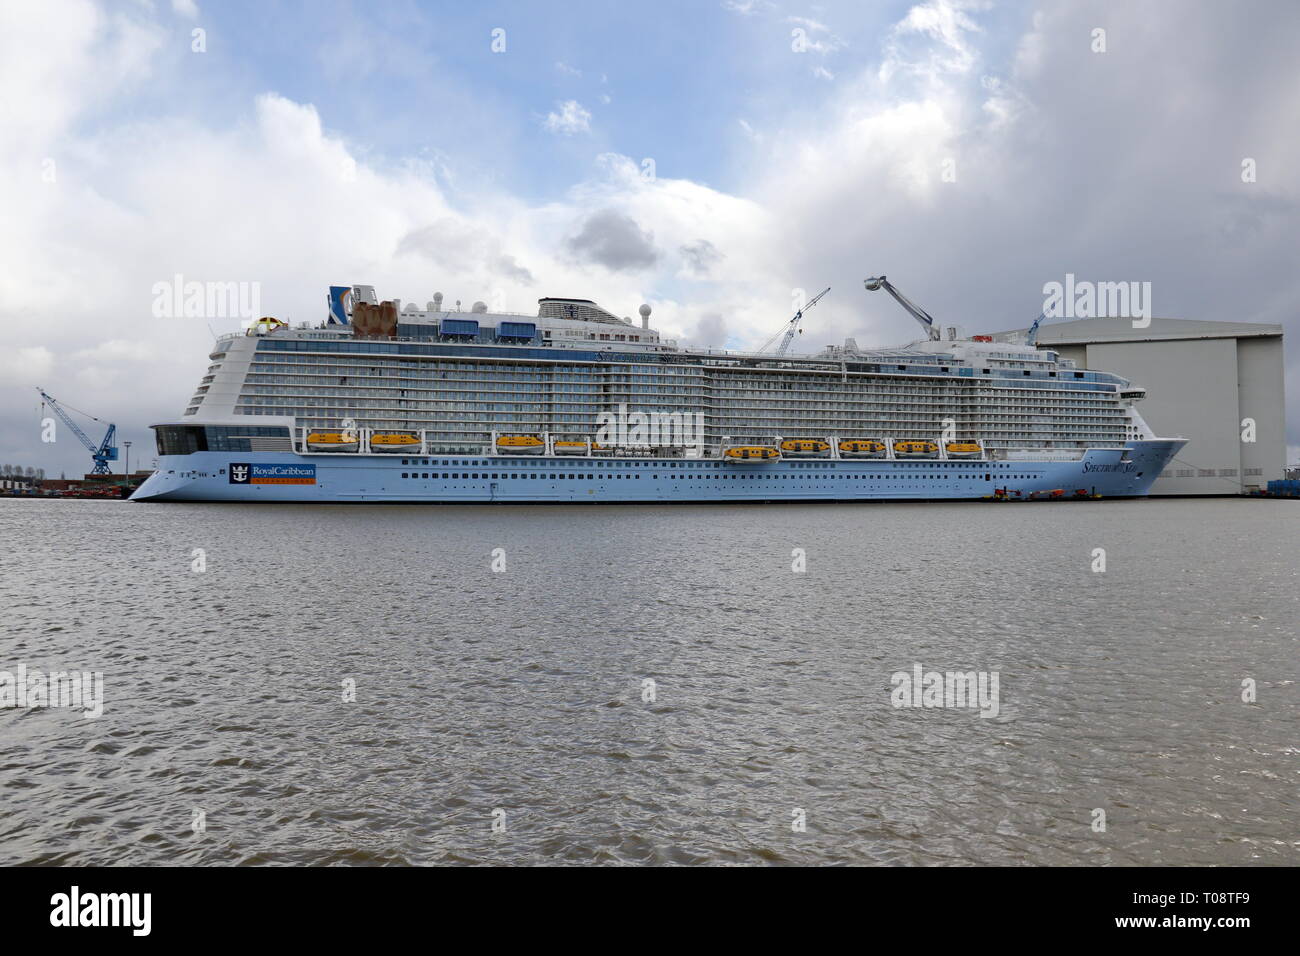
(707, 158)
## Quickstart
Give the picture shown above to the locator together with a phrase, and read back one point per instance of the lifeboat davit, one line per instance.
(862, 448)
(752, 453)
(915, 448)
(805, 447)
(963, 449)
(333, 441)
(520, 445)
(392, 442)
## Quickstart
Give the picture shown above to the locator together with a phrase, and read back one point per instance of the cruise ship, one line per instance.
(388, 402)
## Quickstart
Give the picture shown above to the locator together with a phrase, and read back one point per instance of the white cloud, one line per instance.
(33, 362)
(570, 119)
(100, 55)
(186, 8)
(813, 25)
(747, 8)
(934, 39)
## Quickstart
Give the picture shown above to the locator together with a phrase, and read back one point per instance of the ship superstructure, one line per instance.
(382, 385)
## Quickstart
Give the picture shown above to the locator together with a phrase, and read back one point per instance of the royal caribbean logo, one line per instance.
(243, 473)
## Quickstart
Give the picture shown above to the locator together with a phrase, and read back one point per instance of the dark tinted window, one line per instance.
(184, 439)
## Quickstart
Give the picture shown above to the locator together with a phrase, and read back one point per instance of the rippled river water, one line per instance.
(520, 697)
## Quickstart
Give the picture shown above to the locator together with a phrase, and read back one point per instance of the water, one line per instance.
(522, 691)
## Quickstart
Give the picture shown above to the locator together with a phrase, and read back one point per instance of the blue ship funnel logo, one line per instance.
(340, 302)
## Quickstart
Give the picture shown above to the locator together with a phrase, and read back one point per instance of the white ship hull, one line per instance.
(223, 476)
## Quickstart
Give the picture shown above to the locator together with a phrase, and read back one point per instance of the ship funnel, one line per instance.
(340, 304)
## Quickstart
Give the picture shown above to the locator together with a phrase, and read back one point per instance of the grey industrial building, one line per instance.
(1204, 380)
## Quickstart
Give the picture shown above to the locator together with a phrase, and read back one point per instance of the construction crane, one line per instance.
(104, 452)
(786, 335)
(914, 310)
(1031, 337)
